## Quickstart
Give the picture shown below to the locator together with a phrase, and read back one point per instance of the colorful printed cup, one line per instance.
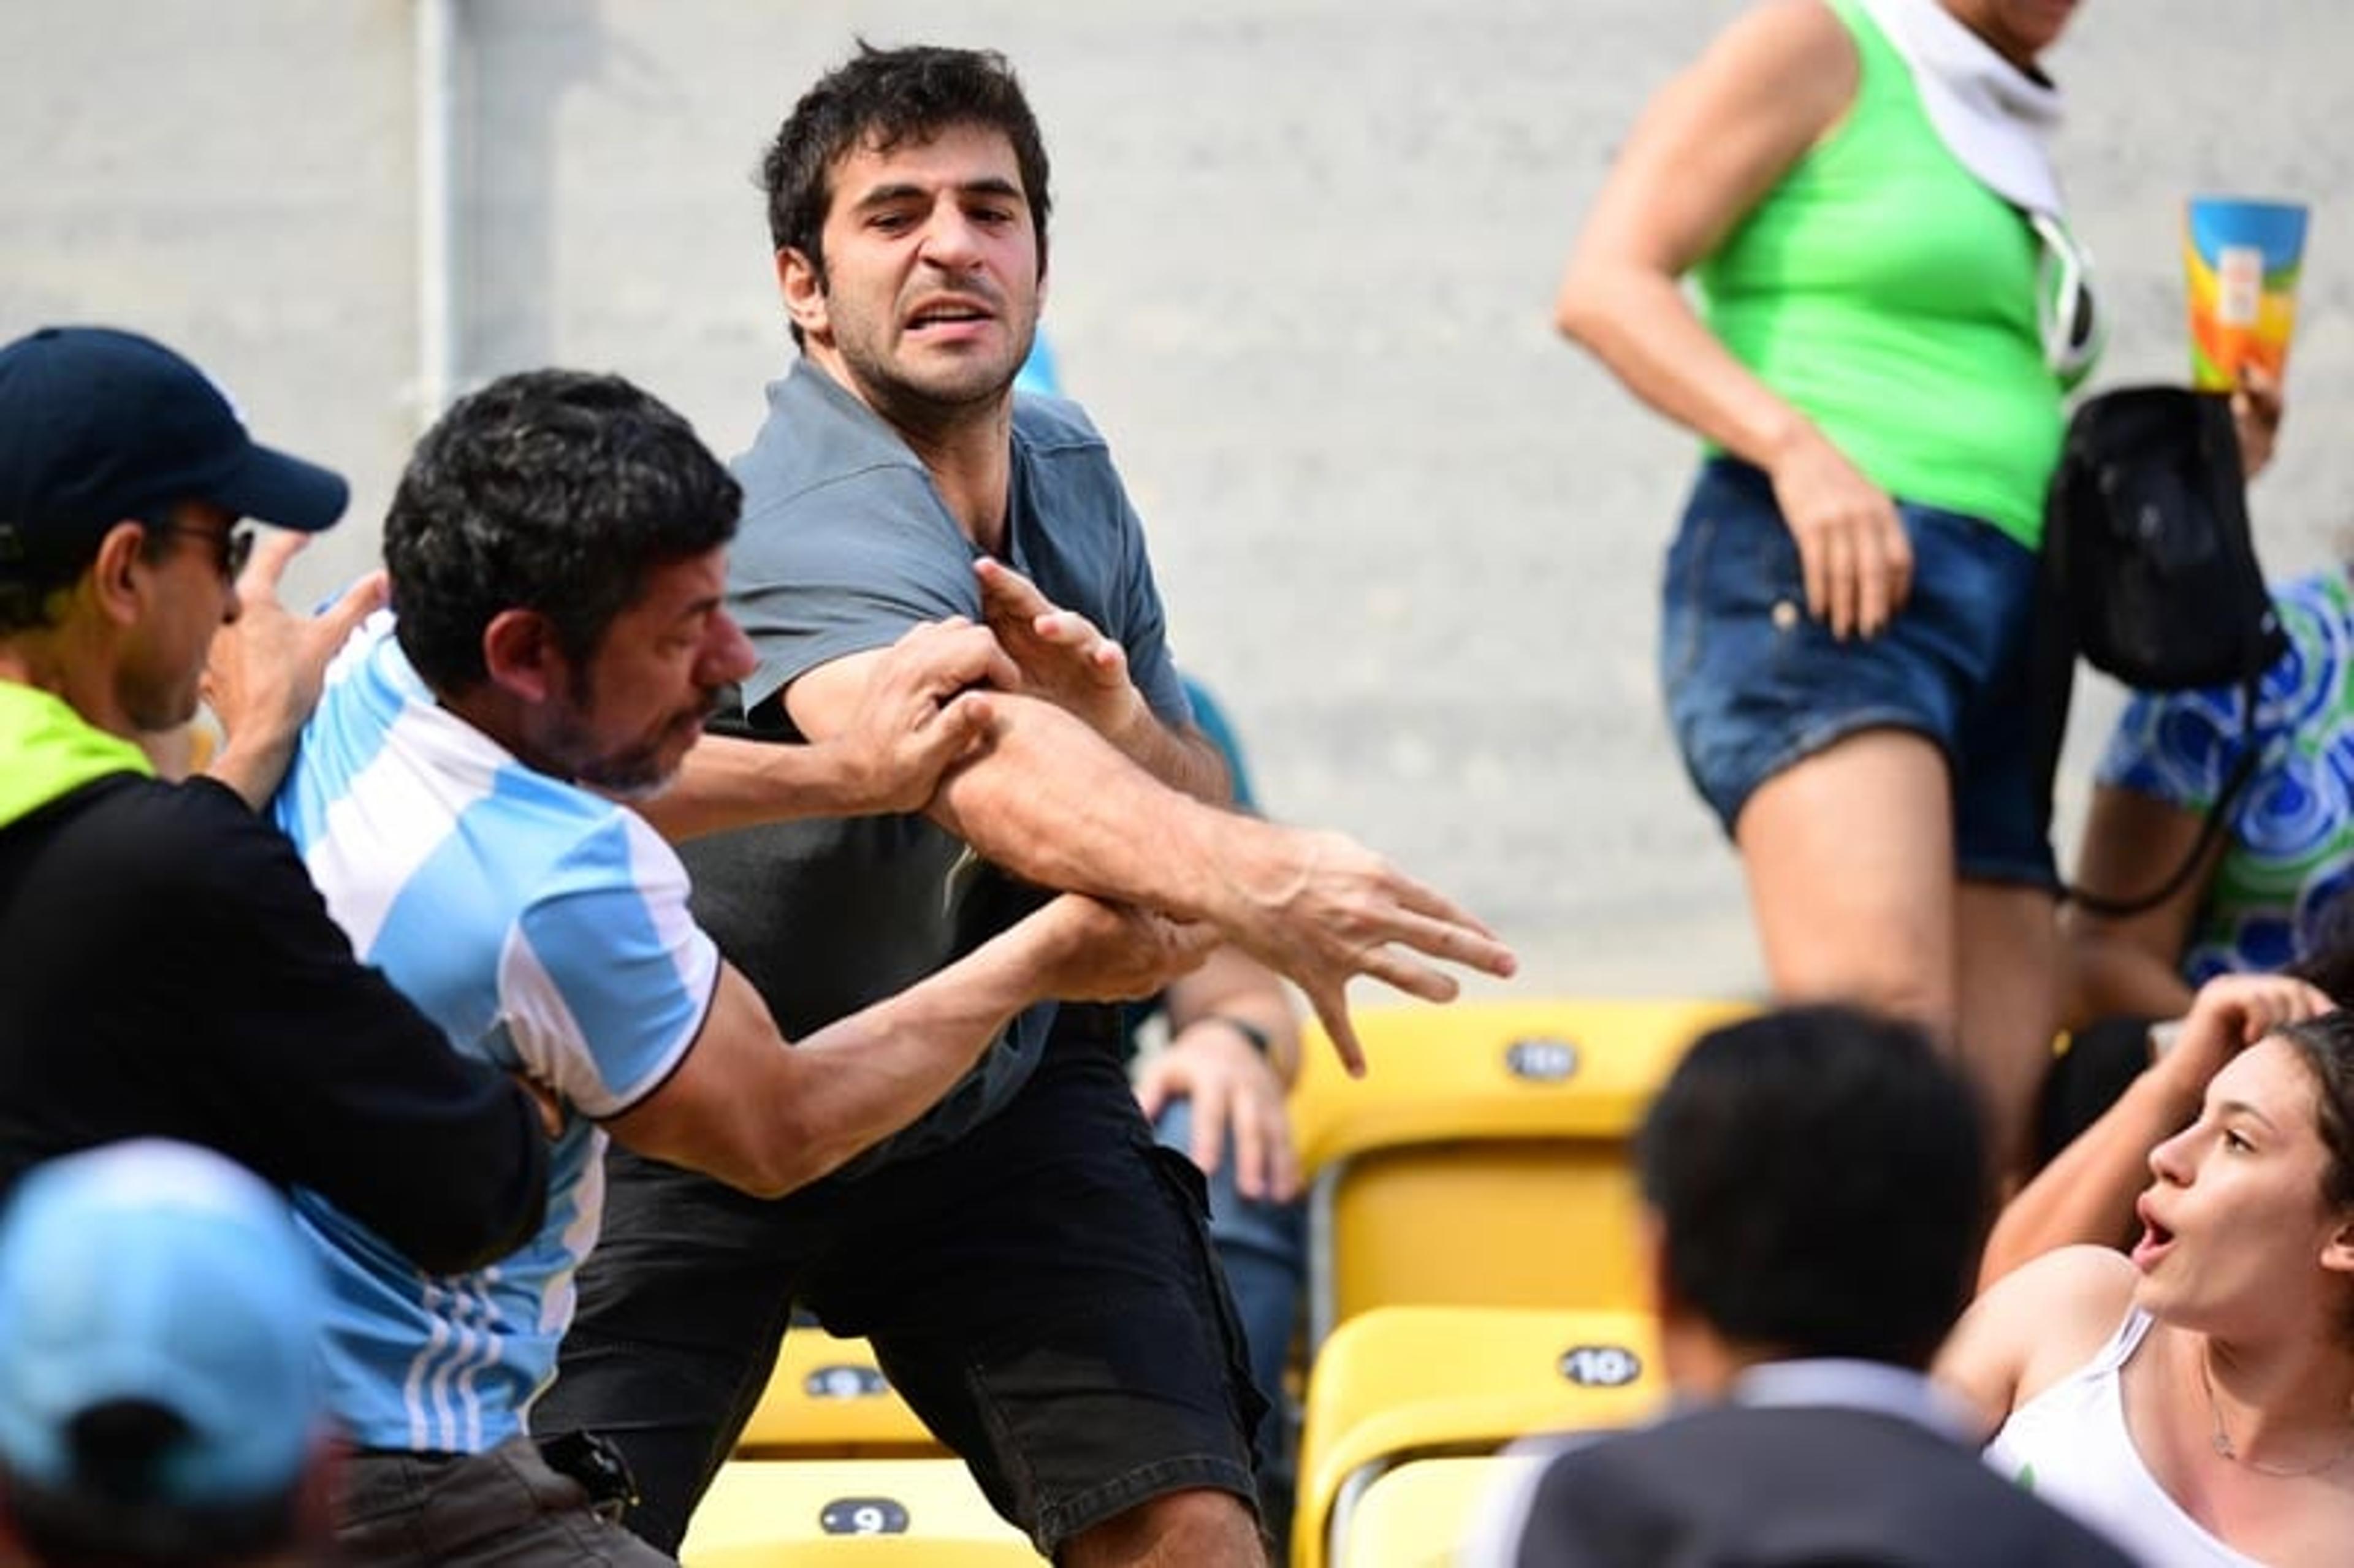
(2241, 259)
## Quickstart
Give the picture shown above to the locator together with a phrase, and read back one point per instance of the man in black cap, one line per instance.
(166, 968)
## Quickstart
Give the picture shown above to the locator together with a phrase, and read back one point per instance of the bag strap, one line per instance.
(2211, 828)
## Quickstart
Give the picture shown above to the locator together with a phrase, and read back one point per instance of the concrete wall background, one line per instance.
(1303, 256)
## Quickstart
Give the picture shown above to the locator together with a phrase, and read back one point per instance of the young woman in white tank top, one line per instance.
(2196, 1401)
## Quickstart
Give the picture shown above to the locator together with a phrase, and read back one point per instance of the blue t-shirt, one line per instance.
(547, 931)
(2291, 850)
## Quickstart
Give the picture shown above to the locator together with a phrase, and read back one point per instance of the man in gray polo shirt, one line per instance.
(1035, 1277)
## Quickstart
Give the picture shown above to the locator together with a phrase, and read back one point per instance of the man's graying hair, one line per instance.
(551, 491)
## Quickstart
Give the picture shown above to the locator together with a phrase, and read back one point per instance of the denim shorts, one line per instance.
(1755, 683)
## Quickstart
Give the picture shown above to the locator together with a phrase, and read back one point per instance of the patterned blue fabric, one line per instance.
(2292, 828)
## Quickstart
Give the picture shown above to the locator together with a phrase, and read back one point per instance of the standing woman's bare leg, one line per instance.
(2009, 1006)
(1850, 860)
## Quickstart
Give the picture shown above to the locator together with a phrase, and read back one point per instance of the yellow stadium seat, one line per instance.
(879, 1512)
(1420, 1515)
(1401, 1382)
(1482, 1159)
(828, 1398)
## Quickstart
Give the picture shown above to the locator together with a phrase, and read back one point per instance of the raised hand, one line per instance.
(2233, 1011)
(1062, 656)
(264, 670)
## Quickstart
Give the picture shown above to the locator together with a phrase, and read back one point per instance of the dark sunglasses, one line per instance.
(231, 550)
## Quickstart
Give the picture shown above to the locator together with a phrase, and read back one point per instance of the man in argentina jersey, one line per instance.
(557, 554)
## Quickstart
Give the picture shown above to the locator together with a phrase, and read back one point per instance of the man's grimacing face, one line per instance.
(931, 285)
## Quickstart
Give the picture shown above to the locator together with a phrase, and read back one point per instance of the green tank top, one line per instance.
(1886, 294)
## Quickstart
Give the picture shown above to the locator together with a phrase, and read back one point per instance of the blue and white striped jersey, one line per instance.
(546, 930)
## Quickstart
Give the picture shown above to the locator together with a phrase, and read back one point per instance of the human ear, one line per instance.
(520, 654)
(114, 580)
(2337, 1252)
(801, 281)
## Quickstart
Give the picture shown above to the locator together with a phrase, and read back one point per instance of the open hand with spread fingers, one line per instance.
(1319, 908)
(264, 671)
(1062, 655)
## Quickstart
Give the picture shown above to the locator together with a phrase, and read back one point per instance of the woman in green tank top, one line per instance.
(1876, 362)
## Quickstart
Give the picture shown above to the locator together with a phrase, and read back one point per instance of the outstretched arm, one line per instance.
(766, 1117)
(1051, 801)
(263, 674)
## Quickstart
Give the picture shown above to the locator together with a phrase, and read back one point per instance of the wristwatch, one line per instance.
(1260, 1040)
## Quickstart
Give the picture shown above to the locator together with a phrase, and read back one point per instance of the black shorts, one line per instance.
(1042, 1292)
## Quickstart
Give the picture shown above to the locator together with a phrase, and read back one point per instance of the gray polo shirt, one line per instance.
(846, 545)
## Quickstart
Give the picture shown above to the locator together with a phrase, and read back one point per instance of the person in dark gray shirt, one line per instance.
(1035, 1277)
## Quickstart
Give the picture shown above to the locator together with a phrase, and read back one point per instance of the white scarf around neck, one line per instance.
(1992, 116)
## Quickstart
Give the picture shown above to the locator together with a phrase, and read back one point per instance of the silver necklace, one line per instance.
(2227, 1449)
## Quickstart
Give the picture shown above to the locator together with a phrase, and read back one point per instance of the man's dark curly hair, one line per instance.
(883, 98)
(551, 491)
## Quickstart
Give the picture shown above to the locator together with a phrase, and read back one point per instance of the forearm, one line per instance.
(727, 782)
(2125, 965)
(253, 763)
(1055, 803)
(861, 1078)
(441, 1156)
(766, 1117)
(2086, 1194)
(489, 1215)
(1641, 326)
(1184, 760)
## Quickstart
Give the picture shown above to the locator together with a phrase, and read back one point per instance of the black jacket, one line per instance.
(1753, 1487)
(166, 969)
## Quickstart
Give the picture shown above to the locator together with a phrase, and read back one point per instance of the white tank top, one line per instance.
(2070, 1447)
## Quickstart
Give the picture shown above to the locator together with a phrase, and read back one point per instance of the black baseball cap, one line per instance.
(98, 424)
